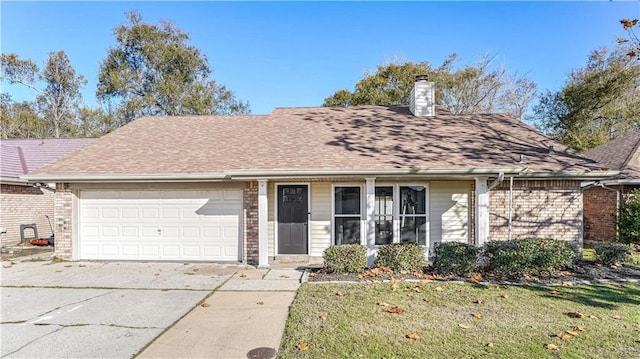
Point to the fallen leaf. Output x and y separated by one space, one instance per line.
340 293
164 289
284 276
426 300
439 289
428 277
312 274
505 296
552 346
565 284
303 346
196 269
477 301
593 317
243 275
360 276
383 304
554 292
571 332
82 265
68 265
156 274
395 310
477 315
463 326
260 303
476 278
490 345
578 328
413 336
617 317
323 317
564 336
204 305
575 315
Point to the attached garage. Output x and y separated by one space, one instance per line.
160 225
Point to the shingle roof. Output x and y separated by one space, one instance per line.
321 138
621 154
21 156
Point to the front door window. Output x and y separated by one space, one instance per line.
384 215
413 214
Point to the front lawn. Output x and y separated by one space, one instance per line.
462 320
588 254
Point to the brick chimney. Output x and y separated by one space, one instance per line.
423 99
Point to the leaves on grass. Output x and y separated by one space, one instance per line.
383 304
439 289
413 336
478 302
575 315
571 332
204 305
617 317
341 293
323 317
554 292
395 310
303 346
564 336
463 326
593 317
426 300
477 315
476 278
552 346
578 328
504 295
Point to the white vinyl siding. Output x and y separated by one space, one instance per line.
449 211
160 225
320 217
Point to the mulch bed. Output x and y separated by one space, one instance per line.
583 272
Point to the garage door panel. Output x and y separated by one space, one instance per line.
160 225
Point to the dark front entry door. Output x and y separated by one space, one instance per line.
293 219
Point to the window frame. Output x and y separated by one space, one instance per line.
397 216
360 216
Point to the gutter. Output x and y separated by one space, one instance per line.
521 172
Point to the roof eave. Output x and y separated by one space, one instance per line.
13 181
171 177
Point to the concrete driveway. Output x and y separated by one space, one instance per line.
97 309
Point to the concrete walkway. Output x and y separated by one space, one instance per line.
248 311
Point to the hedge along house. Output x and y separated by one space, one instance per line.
602 198
292 183
23 203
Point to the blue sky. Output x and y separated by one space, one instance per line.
282 54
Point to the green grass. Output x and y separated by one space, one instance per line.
519 326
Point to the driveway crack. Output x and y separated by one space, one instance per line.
31 341
70 304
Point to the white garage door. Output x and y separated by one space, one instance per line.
160 225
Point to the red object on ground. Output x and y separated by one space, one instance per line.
39 242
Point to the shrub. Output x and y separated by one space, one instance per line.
629 219
349 258
528 256
401 256
455 258
612 253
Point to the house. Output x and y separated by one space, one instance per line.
250 188
602 198
24 203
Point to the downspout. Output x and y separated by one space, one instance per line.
510 206
497 181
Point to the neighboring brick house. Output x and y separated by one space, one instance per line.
292 183
21 202
602 198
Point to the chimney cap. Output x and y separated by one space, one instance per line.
421 78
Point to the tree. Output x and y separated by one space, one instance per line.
471 89
20 120
633 39
629 218
598 102
57 88
154 71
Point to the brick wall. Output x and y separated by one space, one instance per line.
63 222
600 212
546 209
250 221
24 205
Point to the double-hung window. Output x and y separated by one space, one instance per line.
347 215
401 214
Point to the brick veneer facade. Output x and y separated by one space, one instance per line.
250 221
63 223
24 205
600 207
543 209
